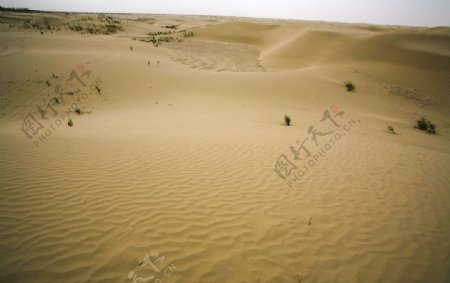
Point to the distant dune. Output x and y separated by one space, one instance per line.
151 147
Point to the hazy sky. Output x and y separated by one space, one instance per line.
401 12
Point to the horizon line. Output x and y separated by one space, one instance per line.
28 10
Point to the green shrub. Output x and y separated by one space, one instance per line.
153 33
113 28
426 125
108 25
91 30
76 27
432 128
391 130
171 26
70 123
350 86
287 120
188 34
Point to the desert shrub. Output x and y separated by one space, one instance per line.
166 39
350 86
391 130
87 25
431 128
91 30
78 111
171 26
426 125
70 123
76 27
113 28
153 33
287 120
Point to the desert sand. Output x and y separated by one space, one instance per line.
178 166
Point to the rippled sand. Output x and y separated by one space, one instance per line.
174 158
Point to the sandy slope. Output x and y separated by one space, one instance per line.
176 160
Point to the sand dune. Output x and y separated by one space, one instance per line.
301 45
174 152
309 48
238 32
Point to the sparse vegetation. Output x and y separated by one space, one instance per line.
102 25
70 123
287 120
391 130
78 111
113 28
28 24
75 27
157 33
349 86
171 26
156 37
87 18
188 34
426 125
18 10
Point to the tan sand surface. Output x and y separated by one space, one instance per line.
174 152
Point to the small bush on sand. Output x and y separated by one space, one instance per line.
171 26
70 123
391 130
75 27
350 86
426 125
188 34
287 120
78 111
